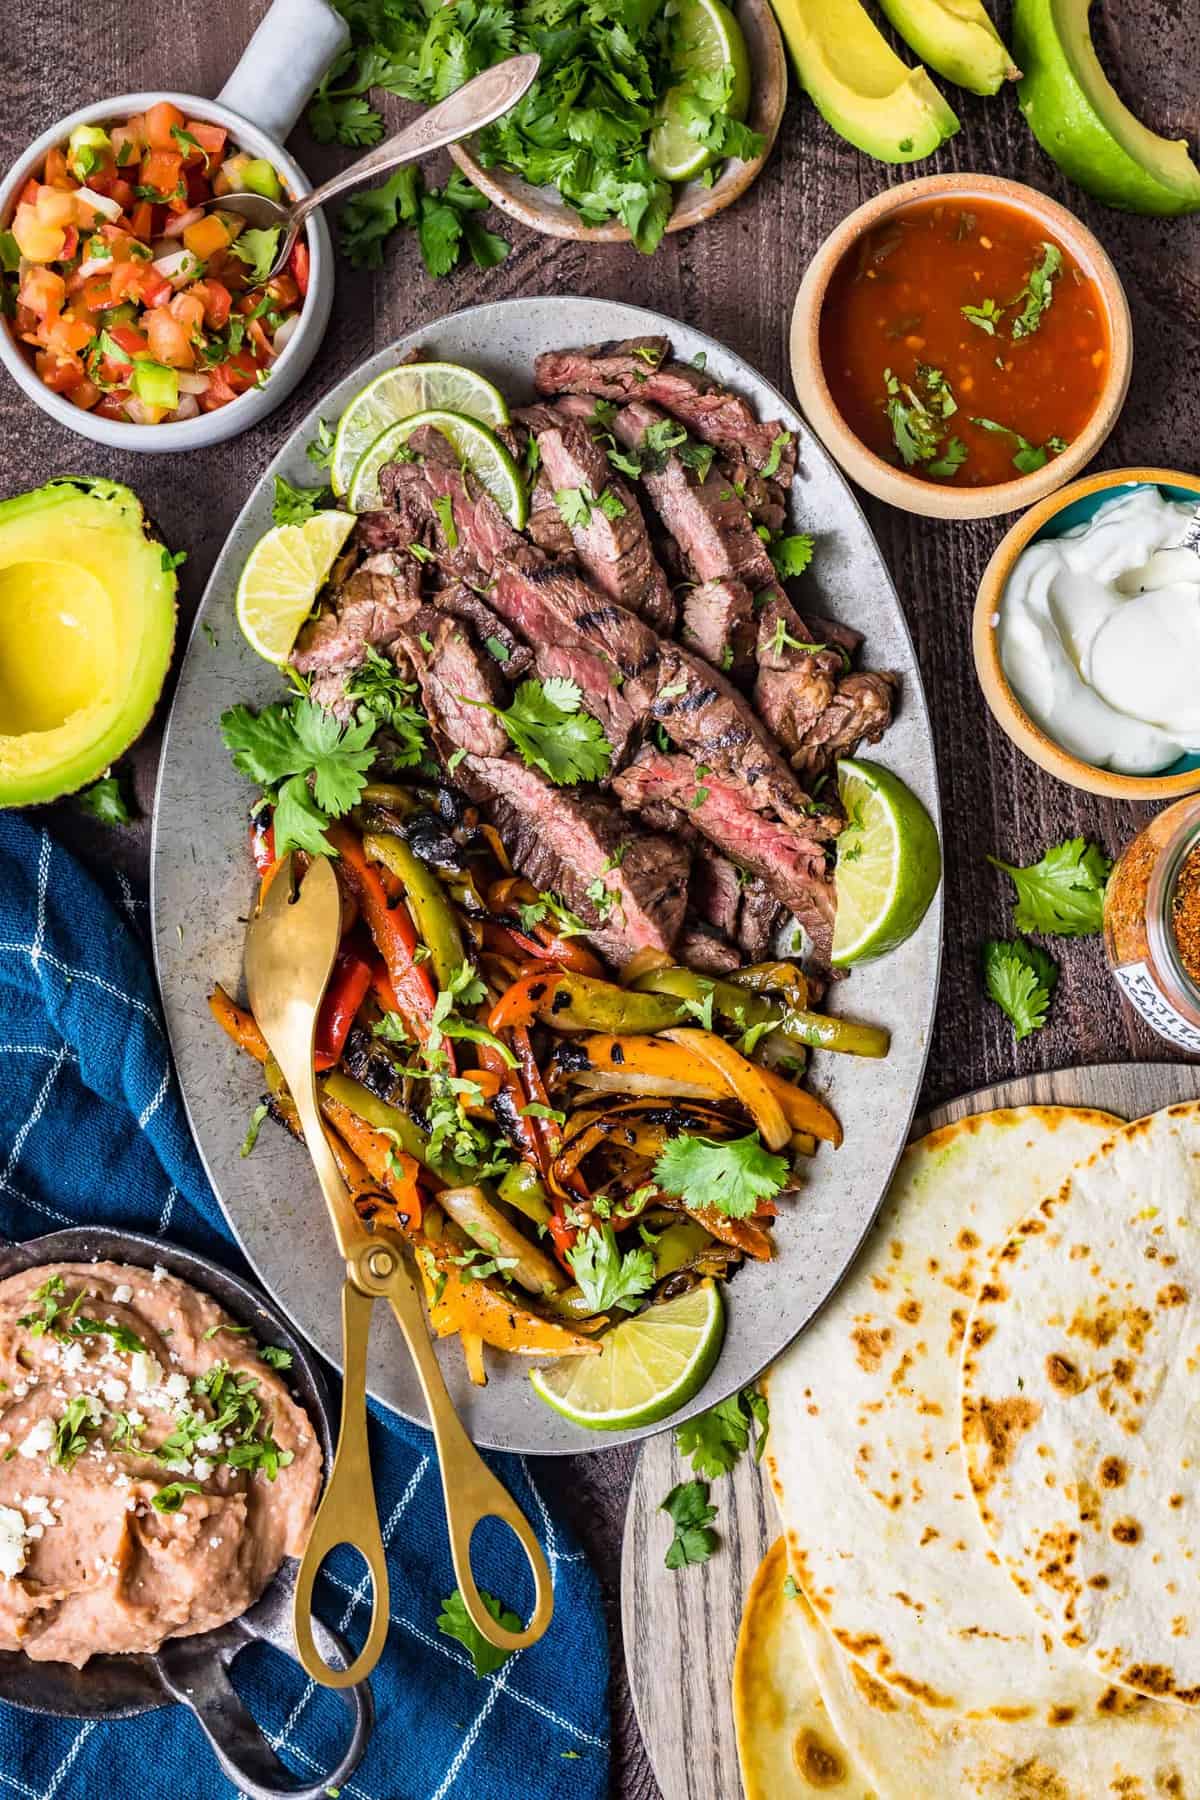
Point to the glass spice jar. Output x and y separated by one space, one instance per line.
1152 923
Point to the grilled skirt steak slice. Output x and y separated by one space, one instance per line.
706 518
794 685
480 531
452 673
615 552
716 889
576 632
758 918
634 368
701 950
791 862
702 714
370 609
547 527
719 622
859 713
564 839
513 657
763 496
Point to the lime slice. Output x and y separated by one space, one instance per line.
889 863
705 38
476 446
647 1368
283 575
397 394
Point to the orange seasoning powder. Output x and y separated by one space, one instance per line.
962 344
1152 923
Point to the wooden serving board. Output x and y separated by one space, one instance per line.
680 1629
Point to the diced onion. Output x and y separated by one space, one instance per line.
188 408
178 223
138 413
193 384
104 204
178 267
94 265
286 333
487 1226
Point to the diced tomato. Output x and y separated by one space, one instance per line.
100 181
218 392
217 301
60 373
283 291
56 172
128 140
211 139
240 372
197 186
70 242
119 240
113 372
188 308
162 170
141 220
29 193
161 120
55 207
128 337
153 289
85 395
67 336
112 405
170 341
98 292
298 264
121 191
43 291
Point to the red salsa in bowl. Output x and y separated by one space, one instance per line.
128 297
962 343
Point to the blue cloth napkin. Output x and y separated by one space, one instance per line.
92 1130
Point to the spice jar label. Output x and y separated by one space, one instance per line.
1140 989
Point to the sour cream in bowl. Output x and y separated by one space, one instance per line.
1097 684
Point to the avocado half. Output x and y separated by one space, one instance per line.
87 626
957 39
1080 121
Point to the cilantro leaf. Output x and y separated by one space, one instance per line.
717 1439
320 451
732 1176
275 1356
253 1128
292 505
105 801
284 745
1063 892
1038 291
791 555
170 1499
383 691
689 1511
987 315
1020 978
607 1278
574 505
257 249
1026 457
551 731
370 216
453 1622
778 446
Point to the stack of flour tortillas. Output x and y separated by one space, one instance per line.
985 1454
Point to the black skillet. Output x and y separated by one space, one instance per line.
195 1670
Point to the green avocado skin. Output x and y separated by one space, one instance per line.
1051 42
99 525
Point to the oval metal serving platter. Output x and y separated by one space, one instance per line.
203 888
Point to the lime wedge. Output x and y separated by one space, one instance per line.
474 445
889 863
283 575
647 1368
705 39
397 394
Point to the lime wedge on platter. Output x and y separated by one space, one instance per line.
648 1367
477 448
416 387
706 38
889 863
282 577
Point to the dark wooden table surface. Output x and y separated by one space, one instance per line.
736 278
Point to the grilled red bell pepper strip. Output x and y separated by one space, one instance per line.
348 987
392 929
262 841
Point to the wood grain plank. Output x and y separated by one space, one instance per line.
682 1702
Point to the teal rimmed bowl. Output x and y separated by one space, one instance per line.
1052 517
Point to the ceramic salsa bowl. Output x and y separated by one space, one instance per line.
284 60
1049 519
912 493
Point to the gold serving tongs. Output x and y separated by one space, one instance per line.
291 943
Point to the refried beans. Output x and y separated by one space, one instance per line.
154 1469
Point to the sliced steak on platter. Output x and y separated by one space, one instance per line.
368 611
458 682
719 622
859 713
701 950
565 839
491 631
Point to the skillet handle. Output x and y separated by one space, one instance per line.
191 1674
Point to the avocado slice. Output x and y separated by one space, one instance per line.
1081 122
858 83
87 626
957 39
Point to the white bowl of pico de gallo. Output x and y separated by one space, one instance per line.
133 312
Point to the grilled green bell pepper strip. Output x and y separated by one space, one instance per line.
520 1188
744 1008
432 911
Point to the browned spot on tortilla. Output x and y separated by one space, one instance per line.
927 1536
1127 1531
909 1311
966 1239
980 1333
920 1690
870 1345
875 1693
1176 1500
998 1424
1063 1374
993 1291
1099 1582
1012 1715
817 1761
1036 1780
1172 1295
1060 1715
1112 1472
1151 1678
1169 1782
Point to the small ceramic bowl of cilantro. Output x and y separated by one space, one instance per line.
239 359
646 118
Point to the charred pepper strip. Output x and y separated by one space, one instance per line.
579 1003
744 1008
348 987
392 929
431 907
